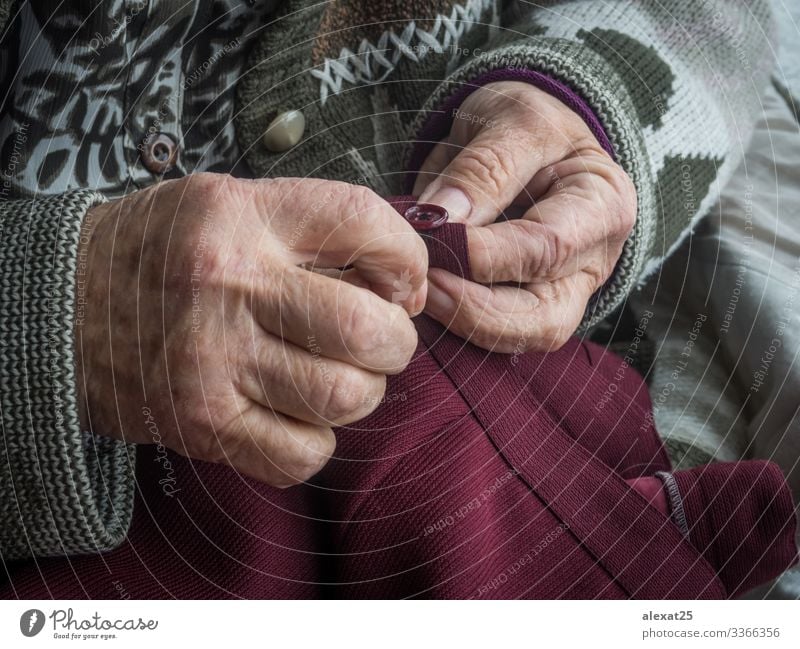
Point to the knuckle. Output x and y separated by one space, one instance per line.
208 258
341 395
529 256
596 275
359 327
416 255
198 248
217 445
561 251
379 334
306 458
512 261
364 202
551 320
491 327
206 187
186 354
485 169
397 340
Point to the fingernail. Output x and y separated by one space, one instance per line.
419 302
439 303
452 199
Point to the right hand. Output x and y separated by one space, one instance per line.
200 313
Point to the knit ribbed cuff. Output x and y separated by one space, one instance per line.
587 75
63 491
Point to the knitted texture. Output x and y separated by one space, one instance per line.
671 84
645 71
5 9
478 476
739 525
423 500
63 491
674 86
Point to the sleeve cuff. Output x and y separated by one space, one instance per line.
676 511
64 491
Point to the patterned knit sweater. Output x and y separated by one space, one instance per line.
673 83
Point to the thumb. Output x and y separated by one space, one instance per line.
485 177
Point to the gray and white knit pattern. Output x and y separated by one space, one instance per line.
64 491
674 84
676 87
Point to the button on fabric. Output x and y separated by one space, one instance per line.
284 131
159 153
426 216
447 243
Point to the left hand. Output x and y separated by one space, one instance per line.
513 147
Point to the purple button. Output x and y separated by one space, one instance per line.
425 216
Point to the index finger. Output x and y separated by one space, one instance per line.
339 224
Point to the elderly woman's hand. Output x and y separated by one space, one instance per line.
515 148
206 332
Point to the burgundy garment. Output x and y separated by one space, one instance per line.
480 475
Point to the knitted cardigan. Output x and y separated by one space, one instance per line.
672 83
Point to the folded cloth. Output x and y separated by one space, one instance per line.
479 475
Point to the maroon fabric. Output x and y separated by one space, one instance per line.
602 510
718 498
479 476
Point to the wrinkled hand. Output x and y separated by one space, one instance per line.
205 331
514 146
